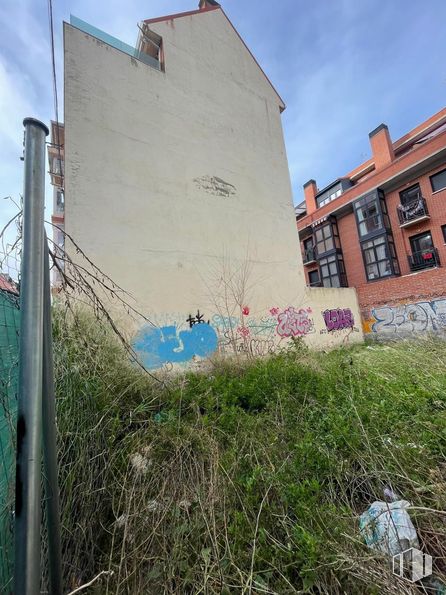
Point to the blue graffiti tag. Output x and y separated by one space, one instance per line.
157 346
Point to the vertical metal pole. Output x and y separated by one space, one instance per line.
49 440
29 418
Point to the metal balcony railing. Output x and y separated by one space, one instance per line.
424 259
309 255
413 211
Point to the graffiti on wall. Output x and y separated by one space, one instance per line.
197 319
407 318
338 319
181 339
158 346
244 343
294 323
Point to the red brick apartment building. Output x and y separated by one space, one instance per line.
382 229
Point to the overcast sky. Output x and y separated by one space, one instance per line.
341 66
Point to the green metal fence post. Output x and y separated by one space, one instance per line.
29 419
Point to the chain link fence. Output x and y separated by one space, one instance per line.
9 376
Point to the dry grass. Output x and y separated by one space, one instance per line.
246 478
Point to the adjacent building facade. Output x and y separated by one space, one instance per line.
56 160
382 229
177 186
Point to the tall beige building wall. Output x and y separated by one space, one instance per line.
177 186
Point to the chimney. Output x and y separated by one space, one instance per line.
382 147
207 4
310 191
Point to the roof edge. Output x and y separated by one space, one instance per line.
362 192
282 105
328 186
178 15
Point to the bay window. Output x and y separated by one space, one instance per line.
375 236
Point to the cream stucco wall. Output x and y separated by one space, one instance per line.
177 181
331 304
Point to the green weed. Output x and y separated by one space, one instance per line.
248 478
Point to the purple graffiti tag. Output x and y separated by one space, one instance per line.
293 323
338 319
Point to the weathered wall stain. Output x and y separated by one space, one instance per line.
158 346
338 319
408 318
214 185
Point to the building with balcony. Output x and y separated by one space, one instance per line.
382 229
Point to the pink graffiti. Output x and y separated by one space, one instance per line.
338 319
243 331
293 323
245 310
274 311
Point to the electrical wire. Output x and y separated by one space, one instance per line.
56 102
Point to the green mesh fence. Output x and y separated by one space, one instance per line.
9 359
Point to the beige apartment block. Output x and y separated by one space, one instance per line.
177 186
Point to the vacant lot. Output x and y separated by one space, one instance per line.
248 477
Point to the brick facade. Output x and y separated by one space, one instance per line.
393 168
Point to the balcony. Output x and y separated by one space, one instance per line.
425 259
309 256
413 212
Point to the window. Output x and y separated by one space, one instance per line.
333 271
57 166
309 251
150 47
152 44
413 206
326 199
324 239
60 238
410 195
308 244
378 249
369 217
380 257
371 214
421 242
443 229
424 254
438 181
333 191
60 199
313 278
329 254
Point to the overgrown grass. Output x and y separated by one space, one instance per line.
248 478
